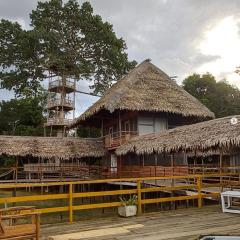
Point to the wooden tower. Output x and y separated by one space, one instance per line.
60 105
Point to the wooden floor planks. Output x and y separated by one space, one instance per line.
185 224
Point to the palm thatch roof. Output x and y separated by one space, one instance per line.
209 135
49 147
147 88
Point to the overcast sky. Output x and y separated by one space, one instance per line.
180 36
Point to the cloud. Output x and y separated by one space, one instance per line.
222 39
171 33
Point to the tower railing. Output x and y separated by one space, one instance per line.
59 121
60 102
59 82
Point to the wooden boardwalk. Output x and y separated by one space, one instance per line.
183 224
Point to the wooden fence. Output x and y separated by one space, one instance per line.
195 183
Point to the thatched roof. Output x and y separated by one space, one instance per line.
48 147
208 135
147 88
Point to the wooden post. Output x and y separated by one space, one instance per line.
14 192
37 219
199 188
120 167
194 162
139 197
120 126
16 170
74 99
172 204
221 172
70 202
101 127
155 158
221 161
51 131
172 163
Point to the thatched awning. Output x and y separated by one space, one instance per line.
49 147
209 135
147 88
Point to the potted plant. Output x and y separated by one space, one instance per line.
128 207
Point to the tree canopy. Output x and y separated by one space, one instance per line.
64 38
220 97
23 116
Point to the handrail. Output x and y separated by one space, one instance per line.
81 182
116 138
195 183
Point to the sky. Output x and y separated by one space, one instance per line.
181 37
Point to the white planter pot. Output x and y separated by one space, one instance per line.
127 211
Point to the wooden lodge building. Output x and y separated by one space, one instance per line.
149 126
143 102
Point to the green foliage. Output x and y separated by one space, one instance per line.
88 132
220 97
64 38
20 63
6 161
132 200
22 116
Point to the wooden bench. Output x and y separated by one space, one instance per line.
20 231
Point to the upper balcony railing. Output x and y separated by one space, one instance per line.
59 83
58 102
115 139
58 122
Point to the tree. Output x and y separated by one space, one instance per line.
220 97
22 116
88 132
65 38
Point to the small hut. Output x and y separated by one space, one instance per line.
48 157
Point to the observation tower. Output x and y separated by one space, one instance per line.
60 105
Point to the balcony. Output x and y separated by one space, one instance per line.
114 140
58 122
66 104
60 84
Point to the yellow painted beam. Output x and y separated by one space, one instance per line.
156 189
104 193
23 185
33 198
97 205
168 199
53 209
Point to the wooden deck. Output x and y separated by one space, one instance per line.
183 224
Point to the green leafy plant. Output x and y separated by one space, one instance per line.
132 200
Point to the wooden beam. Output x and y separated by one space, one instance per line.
120 126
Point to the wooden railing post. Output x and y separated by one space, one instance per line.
139 197
70 202
199 188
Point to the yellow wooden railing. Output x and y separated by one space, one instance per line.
196 183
